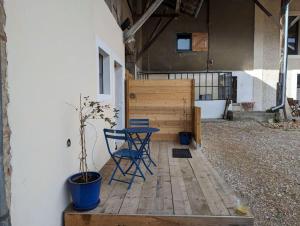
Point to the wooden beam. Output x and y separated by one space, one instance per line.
3 37
161 15
178 4
199 8
147 46
294 21
86 219
262 8
128 34
130 7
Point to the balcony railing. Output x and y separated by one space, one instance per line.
208 85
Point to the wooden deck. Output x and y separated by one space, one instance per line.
181 192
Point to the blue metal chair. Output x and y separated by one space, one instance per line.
144 122
123 154
134 122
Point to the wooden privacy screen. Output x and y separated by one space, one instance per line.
168 104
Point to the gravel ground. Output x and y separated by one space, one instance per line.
261 164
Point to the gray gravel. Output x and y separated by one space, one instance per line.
261 164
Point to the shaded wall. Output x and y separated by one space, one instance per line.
231 34
162 55
230 42
5 100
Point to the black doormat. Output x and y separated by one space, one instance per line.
181 153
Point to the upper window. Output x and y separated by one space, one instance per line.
101 83
293 38
104 72
184 42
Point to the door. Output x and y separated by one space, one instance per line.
119 95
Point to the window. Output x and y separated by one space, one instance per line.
104 73
293 38
184 42
298 81
101 84
234 89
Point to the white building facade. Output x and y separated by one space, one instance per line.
56 50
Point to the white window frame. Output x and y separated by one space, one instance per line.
112 58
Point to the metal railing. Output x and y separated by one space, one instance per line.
208 85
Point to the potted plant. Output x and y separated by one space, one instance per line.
85 185
185 137
248 106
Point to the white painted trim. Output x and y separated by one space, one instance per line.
113 57
294 13
294 56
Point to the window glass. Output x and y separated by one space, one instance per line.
101 86
184 42
293 35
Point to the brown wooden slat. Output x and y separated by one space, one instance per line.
82 219
167 103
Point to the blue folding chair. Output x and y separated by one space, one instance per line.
144 122
123 154
134 122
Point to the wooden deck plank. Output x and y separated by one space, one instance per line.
226 193
146 202
132 198
180 197
163 199
196 197
212 197
113 195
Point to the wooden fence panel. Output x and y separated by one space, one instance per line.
167 103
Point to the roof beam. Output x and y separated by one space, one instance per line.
162 15
128 34
178 4
199 8
262 8
294 21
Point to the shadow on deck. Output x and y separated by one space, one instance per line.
181 192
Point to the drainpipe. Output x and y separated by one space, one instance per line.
281 99
4 211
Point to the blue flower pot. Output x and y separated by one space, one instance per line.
85 196
185 138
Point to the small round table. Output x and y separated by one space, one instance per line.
138 131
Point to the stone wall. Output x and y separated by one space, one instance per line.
5 100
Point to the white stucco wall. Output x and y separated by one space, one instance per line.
244 86
52 58
292 84
211 109
267 57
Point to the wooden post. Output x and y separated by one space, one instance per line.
128 77
197 125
